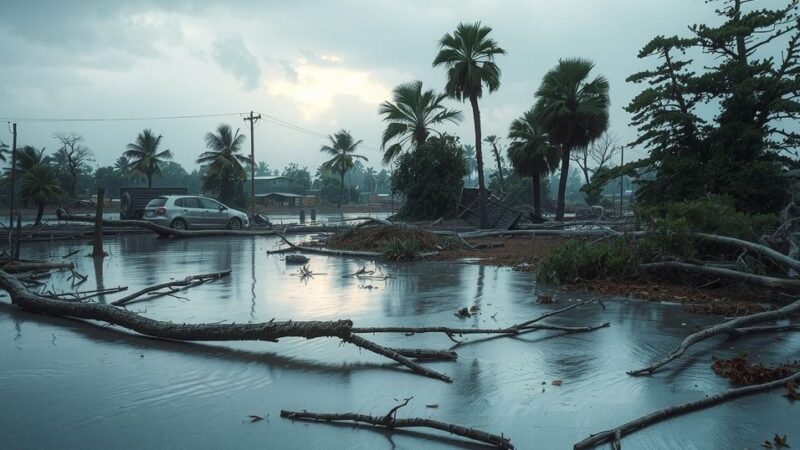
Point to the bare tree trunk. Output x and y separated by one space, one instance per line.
476 116
562 184
149 180
341 189
537 194
39 214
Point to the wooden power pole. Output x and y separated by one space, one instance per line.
13 173
252 119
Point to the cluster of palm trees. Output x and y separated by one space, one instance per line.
569 113
224 165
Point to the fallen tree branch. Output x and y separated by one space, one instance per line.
615 434
392 354
391 422
762 250
725 327
31 266
169 232
186 282
763 329
267 331
757 280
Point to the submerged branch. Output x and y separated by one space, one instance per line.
615 434
186 282
725 327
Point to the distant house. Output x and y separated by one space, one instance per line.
274 184
279 199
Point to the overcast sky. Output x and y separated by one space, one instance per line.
319 65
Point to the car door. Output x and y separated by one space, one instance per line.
215 216
192 211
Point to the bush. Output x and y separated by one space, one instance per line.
402 249
587 260
430 179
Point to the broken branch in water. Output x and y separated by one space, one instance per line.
616 434
391 422
725 327
189 281
514 329
268 331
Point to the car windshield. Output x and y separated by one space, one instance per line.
208 203
156 202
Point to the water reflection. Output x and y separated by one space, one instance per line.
99 386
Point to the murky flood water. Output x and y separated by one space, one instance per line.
64 384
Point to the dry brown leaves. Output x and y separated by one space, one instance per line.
742 372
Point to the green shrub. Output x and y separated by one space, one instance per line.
587 260
402 249
712 214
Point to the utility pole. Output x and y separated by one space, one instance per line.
621 177
13 173
252 119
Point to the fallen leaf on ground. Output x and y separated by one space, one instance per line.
557 382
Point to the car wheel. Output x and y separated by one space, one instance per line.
179 224
235 224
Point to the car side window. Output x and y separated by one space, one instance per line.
187 202
207 203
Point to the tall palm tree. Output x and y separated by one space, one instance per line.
262 169
342 146
531 154
411 116
40 185
493 140
468 55
226 166
573 111
144 156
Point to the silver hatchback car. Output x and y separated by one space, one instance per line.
183 212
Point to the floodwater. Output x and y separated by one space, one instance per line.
67 384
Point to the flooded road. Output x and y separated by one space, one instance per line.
65 384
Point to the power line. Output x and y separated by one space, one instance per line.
115 119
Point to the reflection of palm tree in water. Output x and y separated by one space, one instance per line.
98 277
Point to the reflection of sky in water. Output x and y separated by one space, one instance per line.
91 387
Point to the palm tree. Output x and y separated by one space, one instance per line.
40 185
411 116
469 160
493 141
342 147
262 169
370 179
144 156
573 111
468 55
226 167
531 154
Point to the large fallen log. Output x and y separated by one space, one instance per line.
268 331
614 435
169 232
724 328
718 272
390 421
31 266
186 282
